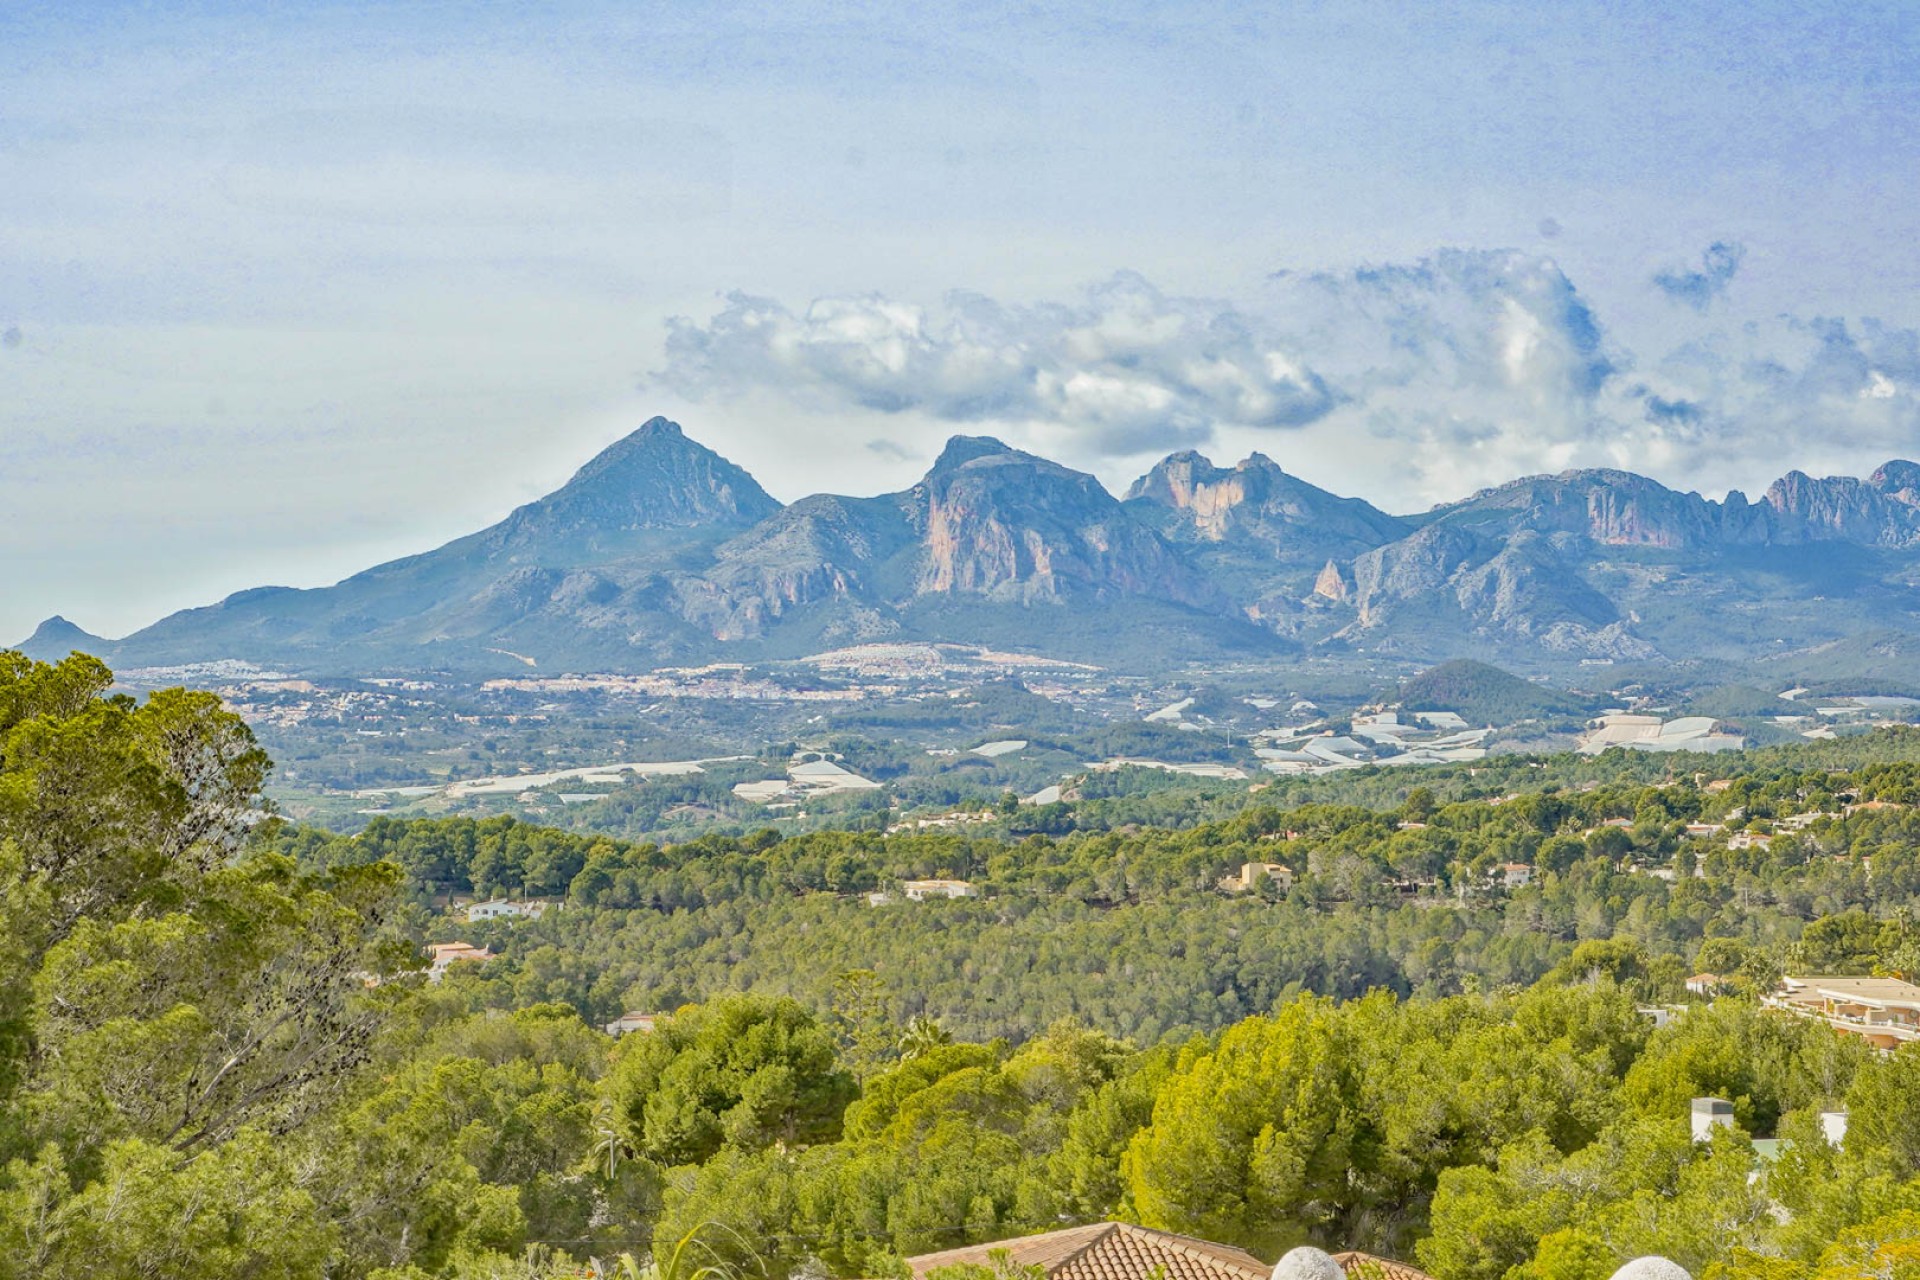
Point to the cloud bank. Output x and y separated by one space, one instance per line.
1411 382
1122 369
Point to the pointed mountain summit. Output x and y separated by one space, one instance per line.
655 479
583 574
55 638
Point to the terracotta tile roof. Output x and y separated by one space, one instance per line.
1364 1266
1109 1251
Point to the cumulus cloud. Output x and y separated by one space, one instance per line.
1123 369
1407 383
1698 287
1823 392
1464 368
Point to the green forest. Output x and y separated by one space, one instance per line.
220 1054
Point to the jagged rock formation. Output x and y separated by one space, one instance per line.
1332 584
1258 504
1618 508
661 550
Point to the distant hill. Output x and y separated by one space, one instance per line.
1735 702
1879 662
1481 694
659 551
55 638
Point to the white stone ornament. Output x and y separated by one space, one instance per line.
1652 1269
1307 1263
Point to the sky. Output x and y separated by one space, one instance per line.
286 290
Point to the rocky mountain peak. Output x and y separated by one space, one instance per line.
1898 479
960 450
654 478
1258 504
55 638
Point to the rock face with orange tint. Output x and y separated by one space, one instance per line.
1015 527
1259 507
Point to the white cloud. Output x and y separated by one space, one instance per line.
1123 369
1407 384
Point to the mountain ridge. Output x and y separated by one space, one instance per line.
659 550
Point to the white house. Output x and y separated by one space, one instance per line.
921 890
1710 1114
502 909
630 1022
1513 875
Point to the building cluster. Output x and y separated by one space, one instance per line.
1382 738
1121 1251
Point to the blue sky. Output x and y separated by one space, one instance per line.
288 289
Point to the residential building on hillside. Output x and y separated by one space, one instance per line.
1120 1251
1885 1012
502 909
444 955
628 1023
1514 875
1708 1114
1249 875
921 890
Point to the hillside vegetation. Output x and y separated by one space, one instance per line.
219 1056
1481 694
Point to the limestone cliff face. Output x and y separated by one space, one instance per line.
1881 511
1010 526
1260 507
1619 508
1612 508
821 550
1332 584
1519 589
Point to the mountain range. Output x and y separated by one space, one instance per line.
659 551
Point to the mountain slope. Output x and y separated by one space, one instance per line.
55 638
1257 504
660 551
583 573
1014 527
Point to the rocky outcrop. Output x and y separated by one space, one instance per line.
1881 511
1611 508
1260 506
1012 527
1619 508
1332 584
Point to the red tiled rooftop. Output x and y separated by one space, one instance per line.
1108 1251
1120 1251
